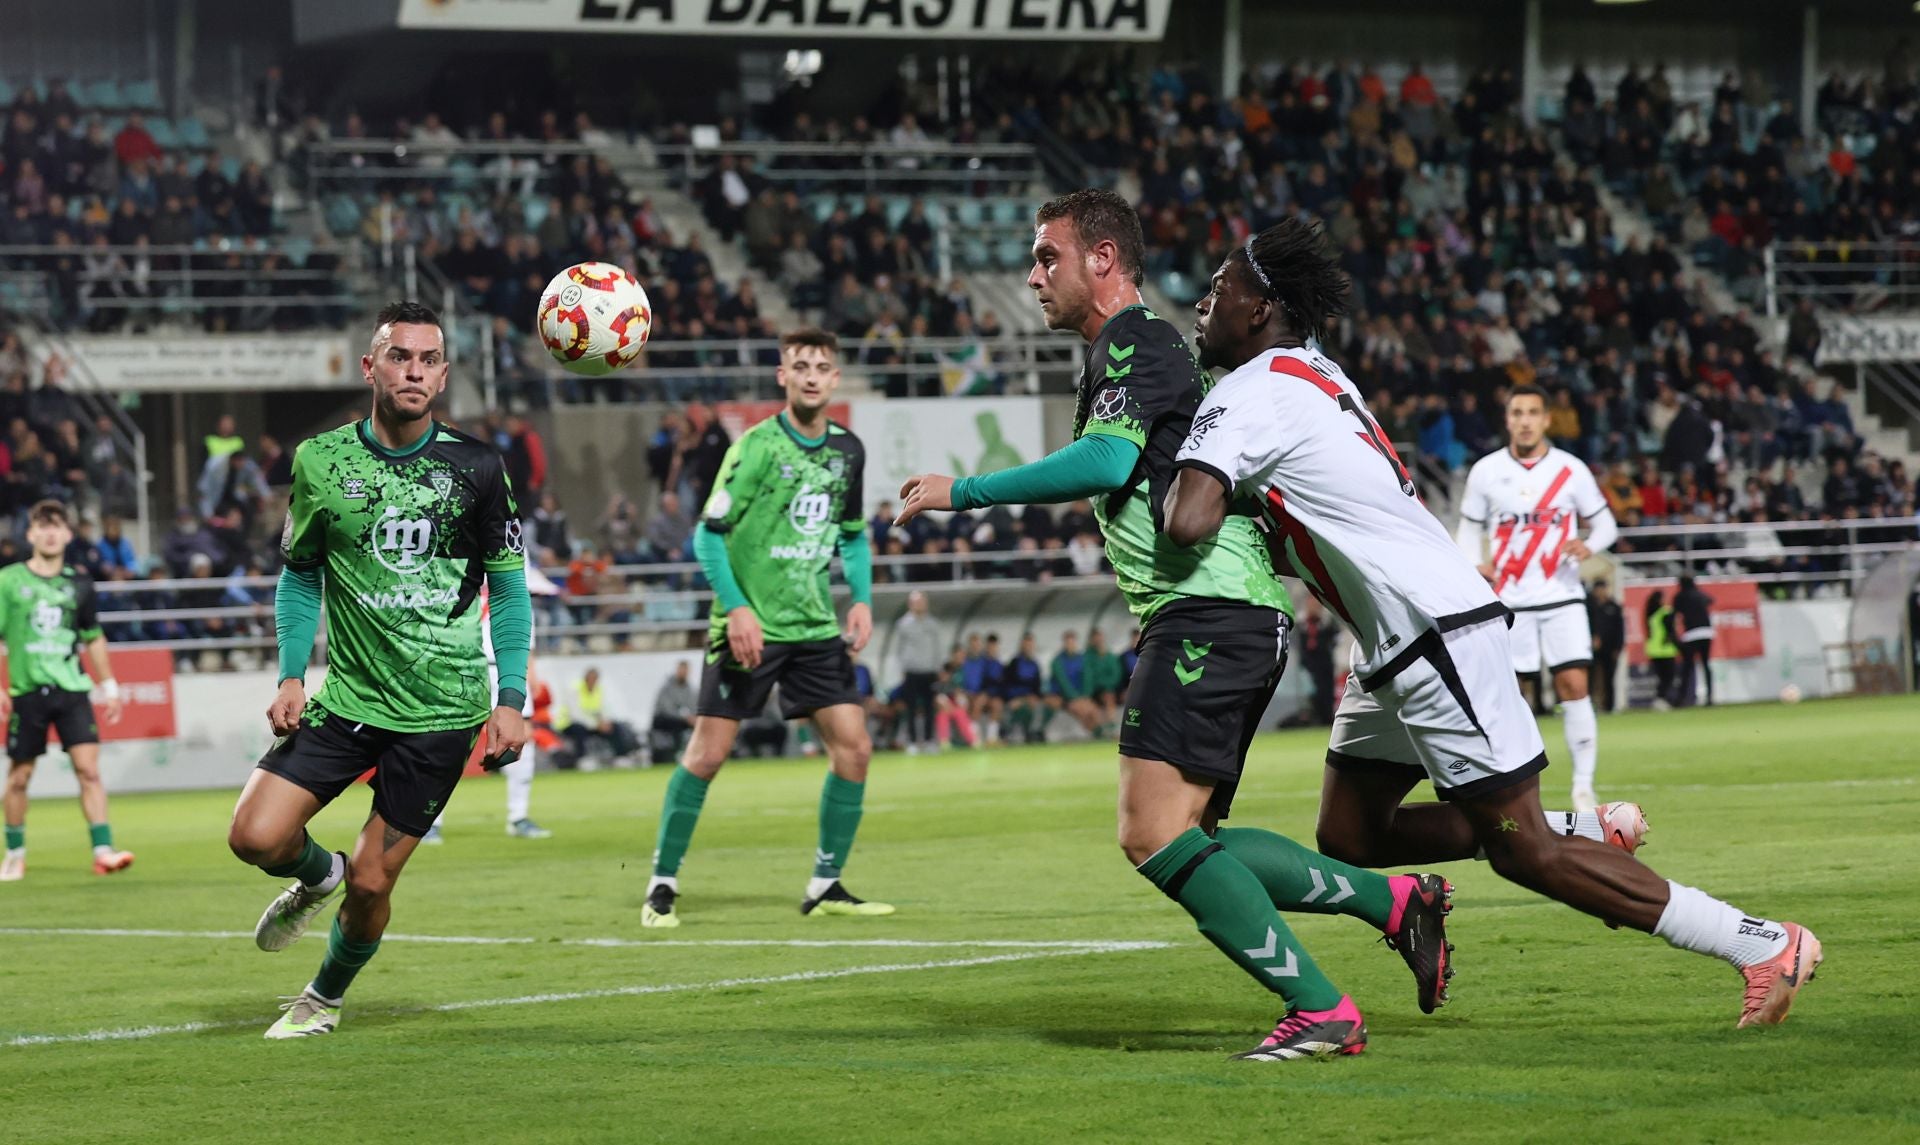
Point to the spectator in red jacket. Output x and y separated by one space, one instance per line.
134 143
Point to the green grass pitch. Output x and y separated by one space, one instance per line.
728 1029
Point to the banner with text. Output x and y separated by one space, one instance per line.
146 693
1737 633
877 19
960 437
217 362
1849 339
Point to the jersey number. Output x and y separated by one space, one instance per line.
1370 432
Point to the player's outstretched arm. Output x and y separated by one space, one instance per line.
1196 506
1095 464
296 620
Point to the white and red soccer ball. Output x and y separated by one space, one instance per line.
594 318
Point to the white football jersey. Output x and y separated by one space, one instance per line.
1529 509
1289 430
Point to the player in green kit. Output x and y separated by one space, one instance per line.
787 499
394 521
47 612
1214 622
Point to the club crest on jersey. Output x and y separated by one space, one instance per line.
401 543
836 467
354 489
1109 404
442 485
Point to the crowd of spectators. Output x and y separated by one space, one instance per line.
1728 178
112 208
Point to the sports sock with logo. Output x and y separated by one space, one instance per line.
1695 920
679 814
1231 908
840 801
344 960
314 868
1299 879
16 836
1583 739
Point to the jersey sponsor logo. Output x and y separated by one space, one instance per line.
400 543
786 471
355 489
48 618
1532 518
809 510
408 597
1110 404
810 551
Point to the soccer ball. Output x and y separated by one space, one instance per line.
594 318
1790 694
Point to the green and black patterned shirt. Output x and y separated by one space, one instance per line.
45 620
405 541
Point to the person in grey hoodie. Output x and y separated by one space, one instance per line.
917 638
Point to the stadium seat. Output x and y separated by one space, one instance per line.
6 92
144 94
968 213
161 128
534 209
823 208
193 133
897 208
1013 253
100 94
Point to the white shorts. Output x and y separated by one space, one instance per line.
1553 638
1447 707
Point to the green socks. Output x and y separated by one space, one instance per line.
686 794
1233 912
16 836
101 833
344 960
1303 880
839 819
313 867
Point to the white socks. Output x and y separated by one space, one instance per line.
818 887
1583 739
1695 920
667 881
333 877
519 775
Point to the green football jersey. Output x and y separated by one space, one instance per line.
782 503
45 620
404 541
1142 384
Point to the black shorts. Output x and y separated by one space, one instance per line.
1207 671
68 713
812 675
414 773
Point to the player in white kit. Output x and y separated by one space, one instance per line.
1532 500
1287 436
519 773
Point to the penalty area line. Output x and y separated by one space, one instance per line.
1103 945
141 1033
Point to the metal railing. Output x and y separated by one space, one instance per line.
1810 553
1850 276
529 166
66 284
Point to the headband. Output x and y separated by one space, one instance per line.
1258 273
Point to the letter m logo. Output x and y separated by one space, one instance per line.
403 542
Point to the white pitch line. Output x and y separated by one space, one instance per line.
1094 944
141 1033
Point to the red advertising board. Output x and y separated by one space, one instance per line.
739 417
146 689
1736 618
